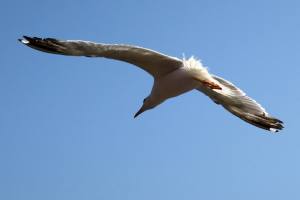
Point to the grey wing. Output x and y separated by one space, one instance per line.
155 63
238 103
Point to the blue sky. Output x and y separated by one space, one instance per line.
67 129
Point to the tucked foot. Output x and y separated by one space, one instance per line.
211 85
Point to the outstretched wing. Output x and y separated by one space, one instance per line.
153 62
238 103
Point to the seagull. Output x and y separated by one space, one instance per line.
172 77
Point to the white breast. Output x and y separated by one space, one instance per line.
173 84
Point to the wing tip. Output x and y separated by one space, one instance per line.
24 40
49 45
276 125
276 129
263 121
28 40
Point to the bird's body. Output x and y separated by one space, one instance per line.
179 81
172 77
163 88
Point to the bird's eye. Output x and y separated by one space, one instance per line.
144 100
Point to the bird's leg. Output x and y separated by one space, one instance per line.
211 85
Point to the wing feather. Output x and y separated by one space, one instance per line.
155 63
238 103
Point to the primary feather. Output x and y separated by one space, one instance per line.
238 103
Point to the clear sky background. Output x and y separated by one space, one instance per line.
66 123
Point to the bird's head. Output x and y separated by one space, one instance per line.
147 105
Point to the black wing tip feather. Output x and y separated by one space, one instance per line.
263 121
268 123
275 125
23 39
32 40
49 45
27 39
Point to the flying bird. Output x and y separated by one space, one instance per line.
172 77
